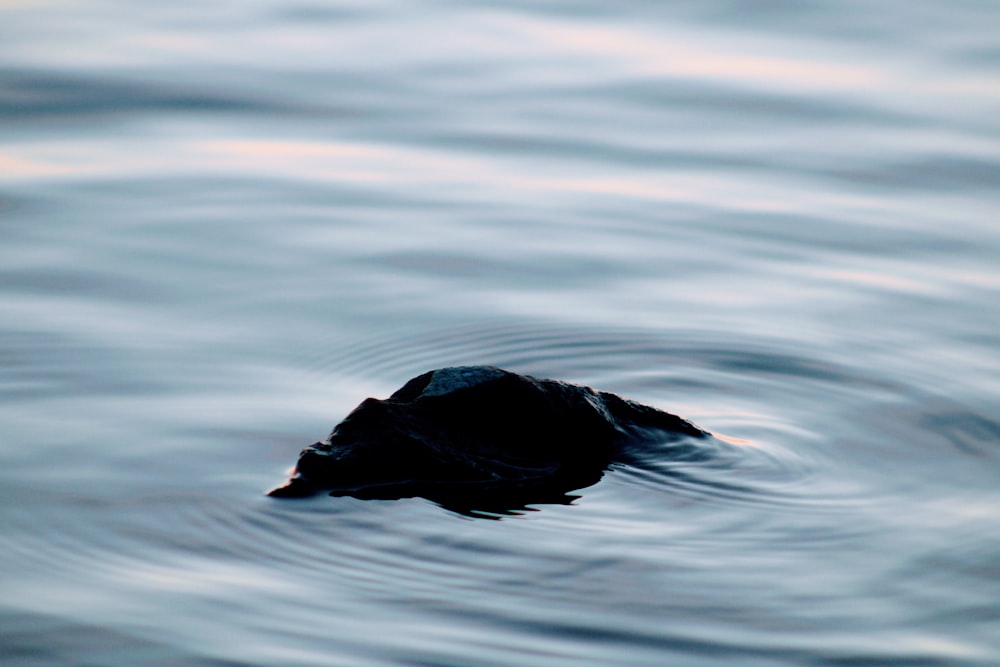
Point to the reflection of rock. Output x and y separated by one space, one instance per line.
478 437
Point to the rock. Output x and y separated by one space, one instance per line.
480 439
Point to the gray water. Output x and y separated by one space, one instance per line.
223 225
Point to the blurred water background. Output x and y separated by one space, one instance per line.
222 225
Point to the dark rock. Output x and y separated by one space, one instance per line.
480 439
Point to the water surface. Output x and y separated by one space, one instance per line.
222 226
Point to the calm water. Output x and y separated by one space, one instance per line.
223 225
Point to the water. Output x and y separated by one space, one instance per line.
224 225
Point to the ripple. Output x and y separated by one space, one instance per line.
689 521
748 390
552 351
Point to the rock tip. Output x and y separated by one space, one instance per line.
296 487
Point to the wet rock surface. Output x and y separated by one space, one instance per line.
481 439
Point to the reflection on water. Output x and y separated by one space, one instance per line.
223 226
